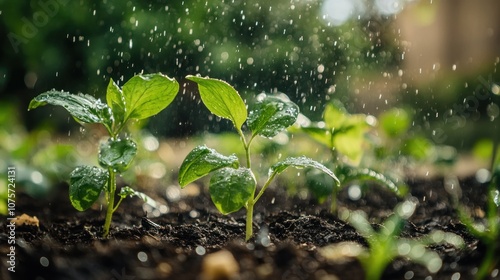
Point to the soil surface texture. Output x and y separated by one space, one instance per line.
189 239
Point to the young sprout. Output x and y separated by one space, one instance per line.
385 244
140 98
233 187
344 135
487 232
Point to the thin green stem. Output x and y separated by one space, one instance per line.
261 192
111 201
118 203
333 203
246 145
487 264
249 221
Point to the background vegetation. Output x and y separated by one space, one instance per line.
290 46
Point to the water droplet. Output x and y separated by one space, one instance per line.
409 275
44 261
482 175
456 276
194 214
200 250
143 257
354 192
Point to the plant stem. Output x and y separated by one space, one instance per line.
249 221
333 203
494 154
111 201
246 145
487 264
261 192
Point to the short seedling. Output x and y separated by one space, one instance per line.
384 244
344 135
233 187
141 97
487 232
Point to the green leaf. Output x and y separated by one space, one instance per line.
230 189
116 101
395 122
366 174
83 107
117 154
147 95
129 192
221 99
86 184
351 142
201 161
322 135
301 162
419 148
335 114
272 115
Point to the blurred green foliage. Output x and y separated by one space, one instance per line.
255 45
39 162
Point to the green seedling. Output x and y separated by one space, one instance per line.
400 143
140 98
344 135
488 231
385 245
233 187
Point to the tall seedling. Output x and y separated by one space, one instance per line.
233 187
140 98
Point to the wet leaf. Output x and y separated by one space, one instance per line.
116 101
495 194
230 189
272 115
86 184
129 192
147 95
201 161
366 174
221 99
301 162
117 154
83 108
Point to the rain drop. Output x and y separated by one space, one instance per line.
143 257
200 250
44 261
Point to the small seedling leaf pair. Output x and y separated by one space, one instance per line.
344 135
233 187
341 132
141 97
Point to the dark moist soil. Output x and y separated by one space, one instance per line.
289 234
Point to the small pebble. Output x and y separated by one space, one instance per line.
219 265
